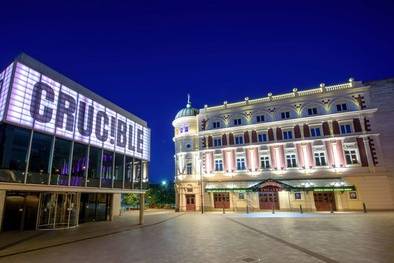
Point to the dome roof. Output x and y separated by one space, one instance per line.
188 111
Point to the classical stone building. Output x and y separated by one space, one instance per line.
325 149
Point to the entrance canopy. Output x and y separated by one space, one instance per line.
316 185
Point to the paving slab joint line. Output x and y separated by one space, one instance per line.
294 246
92 237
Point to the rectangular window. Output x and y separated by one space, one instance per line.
217 142
39 159
291 160
315 132
13 153
239 139
342 107
312 111
262 137
189 169
94 165
265 162
260 118
287 135
216 125
241 164
218 165
297 196
285 115
320 159
237 122
241 196
107 169
351 157
346 128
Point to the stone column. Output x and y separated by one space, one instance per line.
142 206
2 204
371 166
116 205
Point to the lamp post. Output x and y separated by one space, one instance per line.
202 187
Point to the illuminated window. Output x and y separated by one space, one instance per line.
265 162
320 159
217 142
285 115
315 132
291 160
241 164
342 107
239 139
287 135
218 165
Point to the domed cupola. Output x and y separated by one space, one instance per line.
188 111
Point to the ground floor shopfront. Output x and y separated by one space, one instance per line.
33 210
332 194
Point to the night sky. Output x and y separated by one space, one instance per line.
145 57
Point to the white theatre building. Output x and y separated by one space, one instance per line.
328 148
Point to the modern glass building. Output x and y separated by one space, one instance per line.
66 154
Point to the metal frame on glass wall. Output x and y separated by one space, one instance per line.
138 165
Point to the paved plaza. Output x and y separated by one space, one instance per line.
212 237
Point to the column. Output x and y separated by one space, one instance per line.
142 206
116 205
2 204
371 166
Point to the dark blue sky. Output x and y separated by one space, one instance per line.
147 56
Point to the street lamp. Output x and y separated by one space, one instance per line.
164 183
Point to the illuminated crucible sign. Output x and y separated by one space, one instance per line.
46 105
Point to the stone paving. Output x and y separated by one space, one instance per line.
213 237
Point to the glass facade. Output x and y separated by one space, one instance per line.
37 158
13 153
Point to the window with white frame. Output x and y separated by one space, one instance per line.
312 111
291 160
262 137
320 159
239 139
218 165
346 128
342 107
264 162
241 163
216 124
237 122
260 118
217 142
287 135
189 168
315 132
351 156
285 115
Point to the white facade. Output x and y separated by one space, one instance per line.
282 151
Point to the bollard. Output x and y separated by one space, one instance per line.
247 209
331 209
273 208
364 208
301 209
224 210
